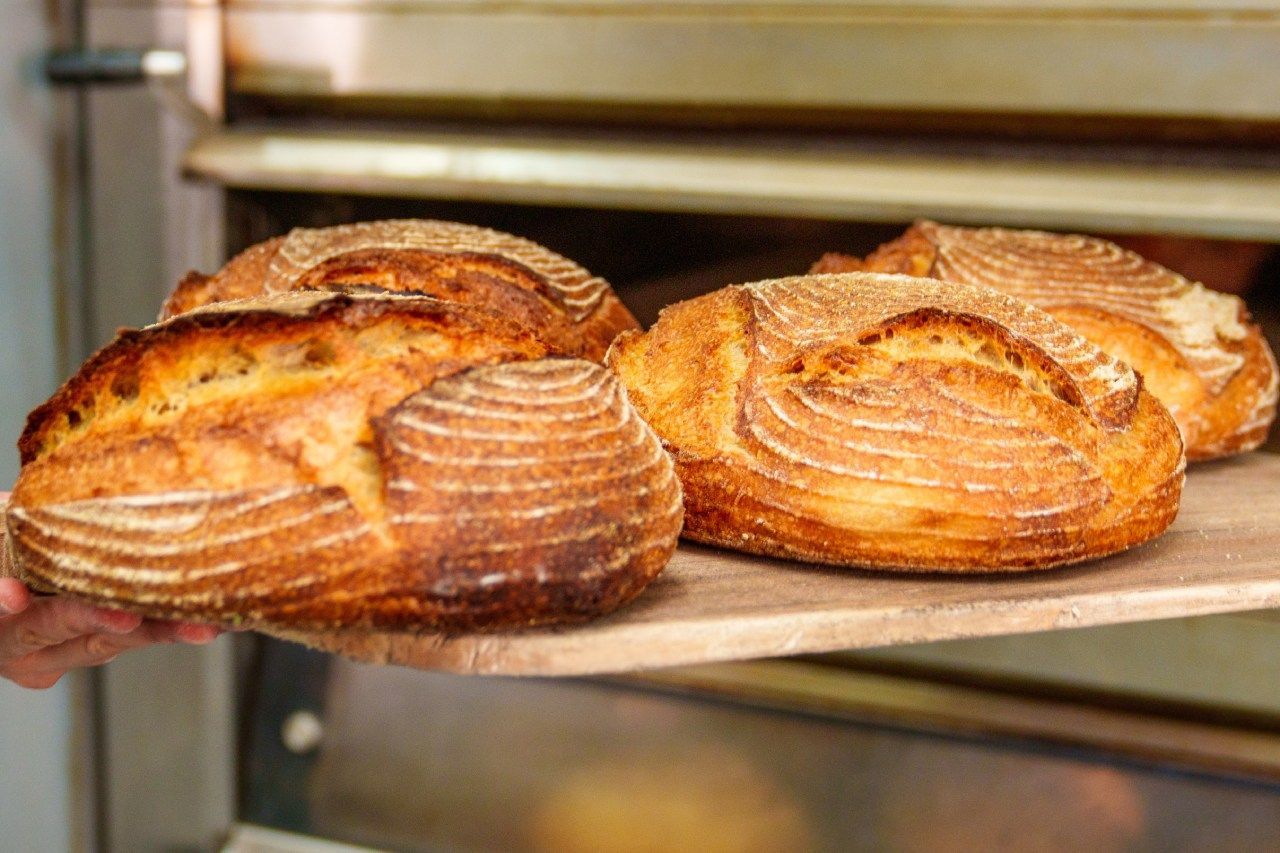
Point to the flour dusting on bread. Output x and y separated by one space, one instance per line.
303 248
1048 269
1196 349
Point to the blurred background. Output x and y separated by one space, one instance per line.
672 148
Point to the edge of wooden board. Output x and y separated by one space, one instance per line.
621 643
1245 575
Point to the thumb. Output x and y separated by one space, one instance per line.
14 596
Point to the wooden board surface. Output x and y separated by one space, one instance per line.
1222 554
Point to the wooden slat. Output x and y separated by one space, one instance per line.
1221 555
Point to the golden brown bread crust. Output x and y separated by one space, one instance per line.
240 278
556 299
312 461
897 422
1196 349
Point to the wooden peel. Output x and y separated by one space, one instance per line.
7 569
1221 555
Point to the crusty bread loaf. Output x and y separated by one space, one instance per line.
897 422
1195 348
314 460
559 301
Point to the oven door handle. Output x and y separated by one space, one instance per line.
113 66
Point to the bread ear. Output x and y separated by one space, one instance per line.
303 248
566 306
793 315
934 333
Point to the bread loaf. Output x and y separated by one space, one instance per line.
310 461
897 422
559 301
1196 349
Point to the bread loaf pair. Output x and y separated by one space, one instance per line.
900 423
1196 349
312 460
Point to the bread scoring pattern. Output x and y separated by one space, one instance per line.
191 552
545 462
1054 269
372 463
899 422
793 315
1195 348
303 248
557 300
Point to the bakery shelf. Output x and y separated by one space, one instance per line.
1222 554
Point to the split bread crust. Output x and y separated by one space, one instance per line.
900 423
1197 350
312 461
556 299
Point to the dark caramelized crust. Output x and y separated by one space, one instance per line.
1196 349
897 422
315 461
550 295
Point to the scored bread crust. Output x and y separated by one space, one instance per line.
559 301
1196 349
900 423
316 461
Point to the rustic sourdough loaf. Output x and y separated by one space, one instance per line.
312 460
559 301
899 422
1195 348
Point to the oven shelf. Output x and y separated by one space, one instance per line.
1221 555
1044 186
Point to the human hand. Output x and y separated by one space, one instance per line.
42 638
